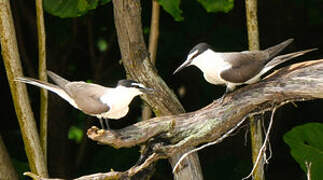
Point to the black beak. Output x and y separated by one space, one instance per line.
147 90
184 65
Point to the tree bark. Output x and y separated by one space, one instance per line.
136 60
153 45
19 93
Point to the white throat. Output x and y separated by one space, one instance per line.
211 64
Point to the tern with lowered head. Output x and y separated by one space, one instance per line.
236 68
93 99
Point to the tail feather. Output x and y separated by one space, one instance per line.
284 58
60 81
51 87
274 50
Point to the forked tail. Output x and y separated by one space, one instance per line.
51 87
284 58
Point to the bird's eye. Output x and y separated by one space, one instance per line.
194 55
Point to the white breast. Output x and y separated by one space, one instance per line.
115 113
118 100
211 64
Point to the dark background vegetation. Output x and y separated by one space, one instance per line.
72 51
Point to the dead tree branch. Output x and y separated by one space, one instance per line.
169 134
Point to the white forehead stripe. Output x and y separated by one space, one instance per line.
138 84
192 54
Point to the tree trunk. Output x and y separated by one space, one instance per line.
136 60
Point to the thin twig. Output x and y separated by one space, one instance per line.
263 147
208 144
42 76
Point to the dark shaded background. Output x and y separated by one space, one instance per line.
72 52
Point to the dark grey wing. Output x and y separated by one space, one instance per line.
245 65
87 96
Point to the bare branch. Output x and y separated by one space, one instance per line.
169 134
42 75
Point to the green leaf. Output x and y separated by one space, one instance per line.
172 7
102 2
217 5
306 145
102 45
75 134
69 8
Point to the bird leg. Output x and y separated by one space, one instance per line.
104 124
107 124
227 91
101 122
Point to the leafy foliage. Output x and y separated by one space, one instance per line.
75 134
70 8
307 146
172 7
75 8
217 6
